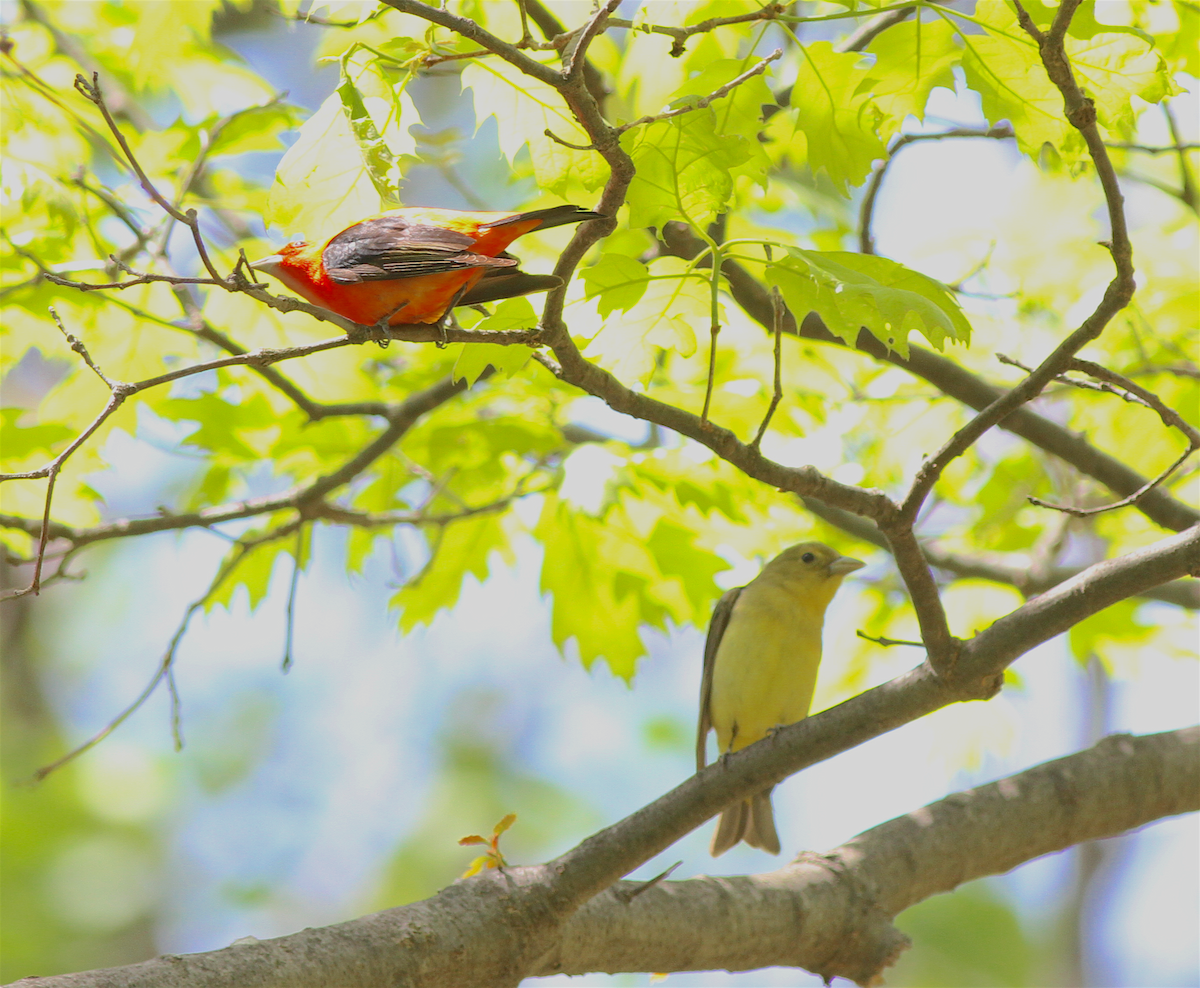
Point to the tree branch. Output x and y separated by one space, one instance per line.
844 899
485 39
957 382
1029 580
847 896
1081 113
400 417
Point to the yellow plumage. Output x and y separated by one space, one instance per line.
760 669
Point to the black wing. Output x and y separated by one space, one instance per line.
391 247
716 631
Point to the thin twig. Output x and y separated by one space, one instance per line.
714 330
704 101
290 619
628 895
887 642
142 278
1125 501
400 418
567 144
1147 149
866 240
166 663
780 310
1081 113
870 30
92 92
1121 386
1187 185
575 54
468 28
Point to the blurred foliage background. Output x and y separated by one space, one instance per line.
545 660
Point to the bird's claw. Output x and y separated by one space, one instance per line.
379 332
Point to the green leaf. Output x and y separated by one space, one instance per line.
1111 66
595 573
1003 66
363 81
912 58
737 114
853 291
253 572
675 301
618 280
475 358
18 442
837 119
684 169
321 184
688 567
693 485
525 109
463 549
256 129
224 426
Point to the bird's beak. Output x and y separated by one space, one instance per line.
268 265
845 564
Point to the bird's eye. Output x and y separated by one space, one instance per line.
808 557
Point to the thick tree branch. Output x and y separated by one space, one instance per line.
1090 591
829 913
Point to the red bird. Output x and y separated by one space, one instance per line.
414 265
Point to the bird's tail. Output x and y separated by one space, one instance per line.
554 216
751 820
500 283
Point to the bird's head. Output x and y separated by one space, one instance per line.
813 566
274 263
297 266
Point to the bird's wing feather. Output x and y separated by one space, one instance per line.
716 631
554 216
391 247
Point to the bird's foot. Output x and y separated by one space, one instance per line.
379 332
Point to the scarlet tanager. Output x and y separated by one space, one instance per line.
413 265
760 669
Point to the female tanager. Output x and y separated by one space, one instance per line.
413 265
760 669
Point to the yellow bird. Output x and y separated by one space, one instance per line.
760 669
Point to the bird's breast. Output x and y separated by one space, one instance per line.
765 669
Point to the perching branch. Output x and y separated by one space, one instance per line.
847 896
